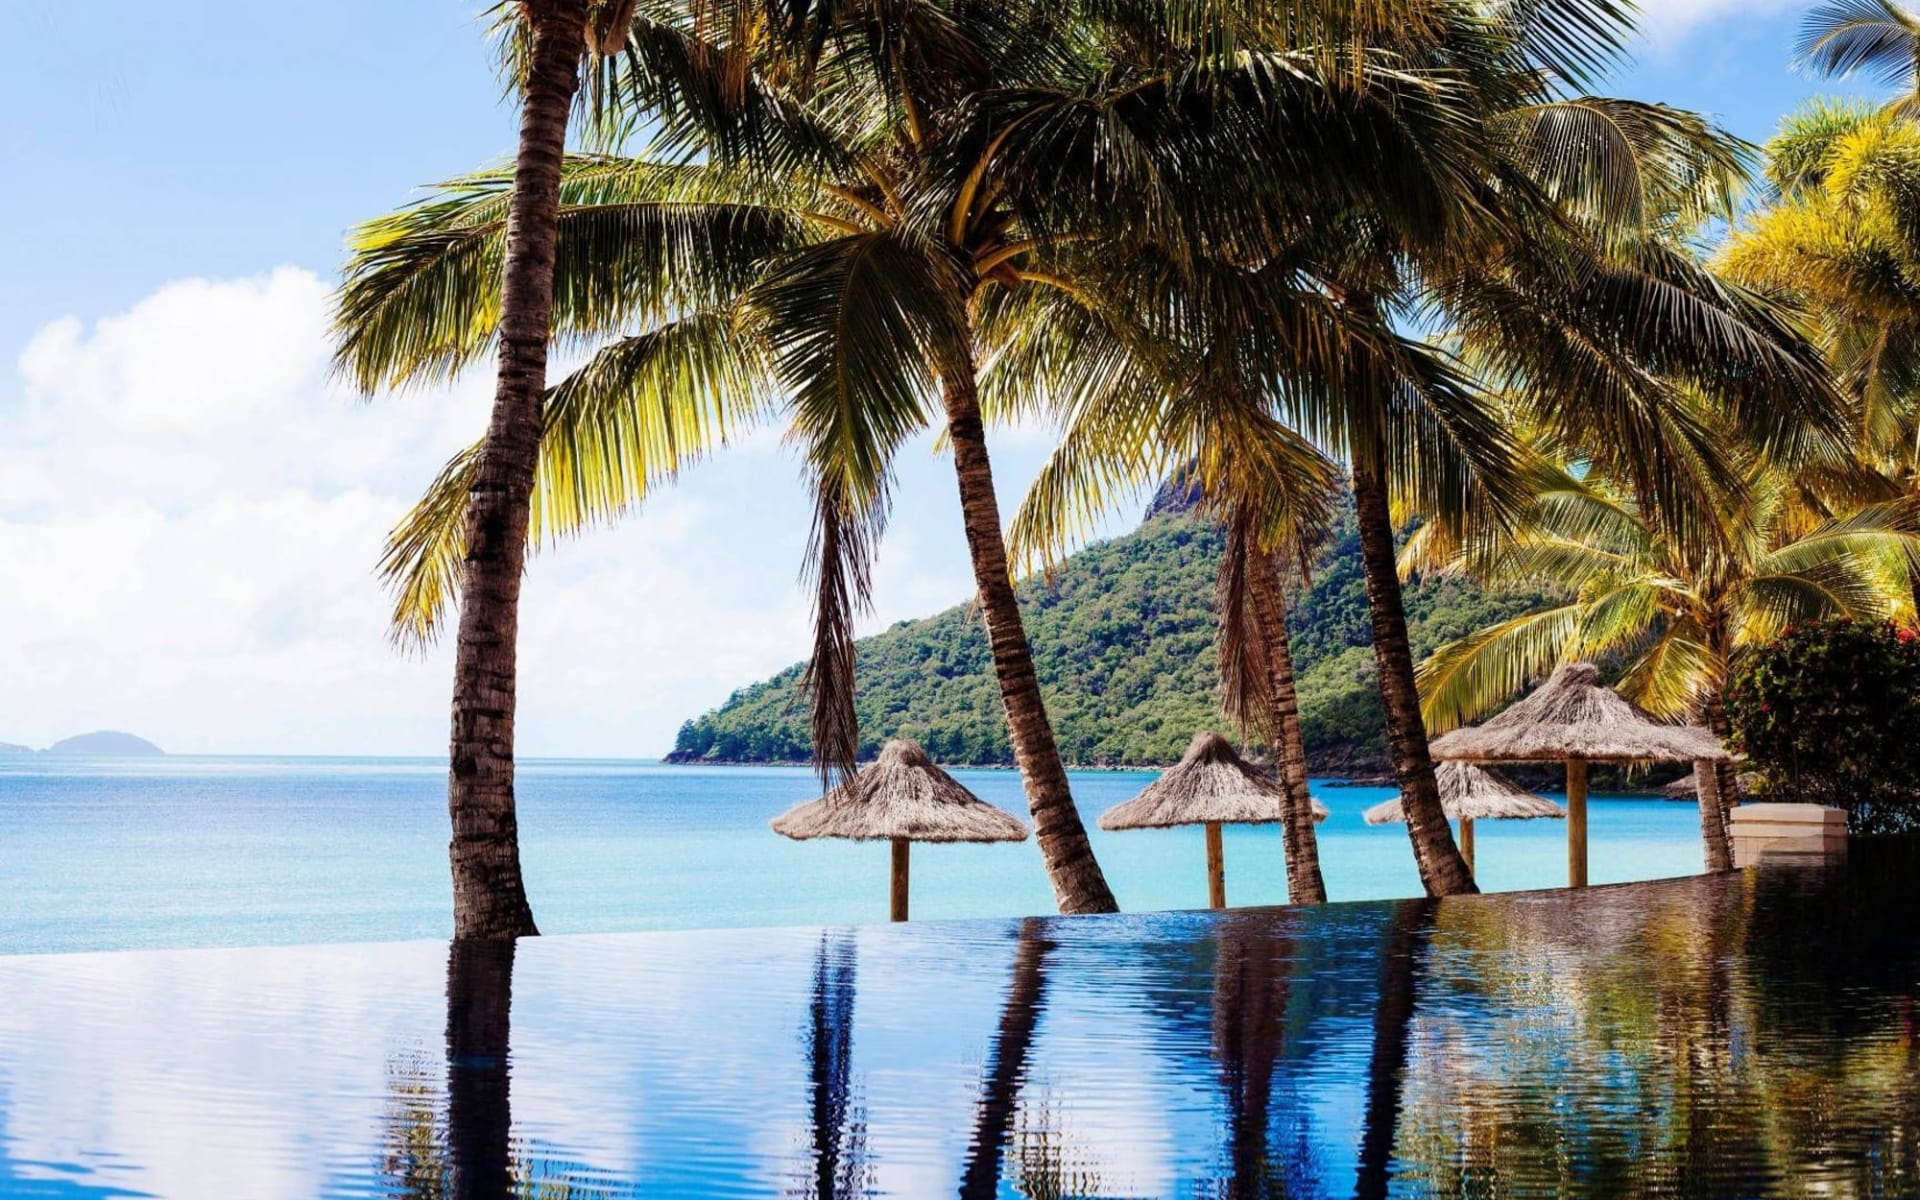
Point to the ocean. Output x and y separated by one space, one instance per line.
115 854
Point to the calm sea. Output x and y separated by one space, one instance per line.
109 854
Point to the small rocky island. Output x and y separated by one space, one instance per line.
102 743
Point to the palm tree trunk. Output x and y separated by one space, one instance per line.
1305 884
1719 791
489 896
1442 871
1716 782
1078 884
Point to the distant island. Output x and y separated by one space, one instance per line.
102 743
1123 642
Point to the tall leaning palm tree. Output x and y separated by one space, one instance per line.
1194 405
489 894
1588 312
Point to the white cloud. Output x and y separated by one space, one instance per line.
1665 24
191 511
190 514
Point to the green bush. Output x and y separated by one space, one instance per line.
1830 714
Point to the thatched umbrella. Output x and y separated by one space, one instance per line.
903 798
1469 794
1211 785
1571 718
1688 787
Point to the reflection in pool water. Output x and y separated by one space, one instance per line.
1744 1035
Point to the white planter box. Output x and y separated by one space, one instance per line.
1787 833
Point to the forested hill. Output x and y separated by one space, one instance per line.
1123 642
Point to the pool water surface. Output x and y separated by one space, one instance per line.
1752 1034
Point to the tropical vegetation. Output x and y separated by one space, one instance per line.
1399 249
1124 638
1673 618
1825 714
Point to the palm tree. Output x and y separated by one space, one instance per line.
1876 36
1594 321
839 218
547 42
1677 613
1842 241
1136 408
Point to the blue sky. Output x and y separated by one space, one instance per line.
190 511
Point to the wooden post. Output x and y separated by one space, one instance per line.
1466 841
1216 867
1576 822
901 848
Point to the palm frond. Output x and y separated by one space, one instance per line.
624 423
638 241
1879 37
1467 678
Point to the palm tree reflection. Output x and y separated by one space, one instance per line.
1251 988
1007 1063
1401 965
838 1123
464 1149
479 1101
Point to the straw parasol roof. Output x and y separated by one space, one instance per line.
1689 786
1572 716
901 795
1469 793
1210 784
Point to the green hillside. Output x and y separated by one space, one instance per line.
1123 642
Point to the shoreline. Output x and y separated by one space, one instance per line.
1334 779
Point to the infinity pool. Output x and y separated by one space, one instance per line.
1746 1035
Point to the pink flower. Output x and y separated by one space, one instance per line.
1905 635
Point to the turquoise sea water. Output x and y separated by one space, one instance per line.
173 852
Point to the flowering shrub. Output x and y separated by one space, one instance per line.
1830 714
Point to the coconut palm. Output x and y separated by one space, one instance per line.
1596 326
547 44
1135 409
1676 616
827 215
1843 241
1579 298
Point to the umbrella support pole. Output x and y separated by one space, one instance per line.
902 849
1466 842
1216 867
1576 822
